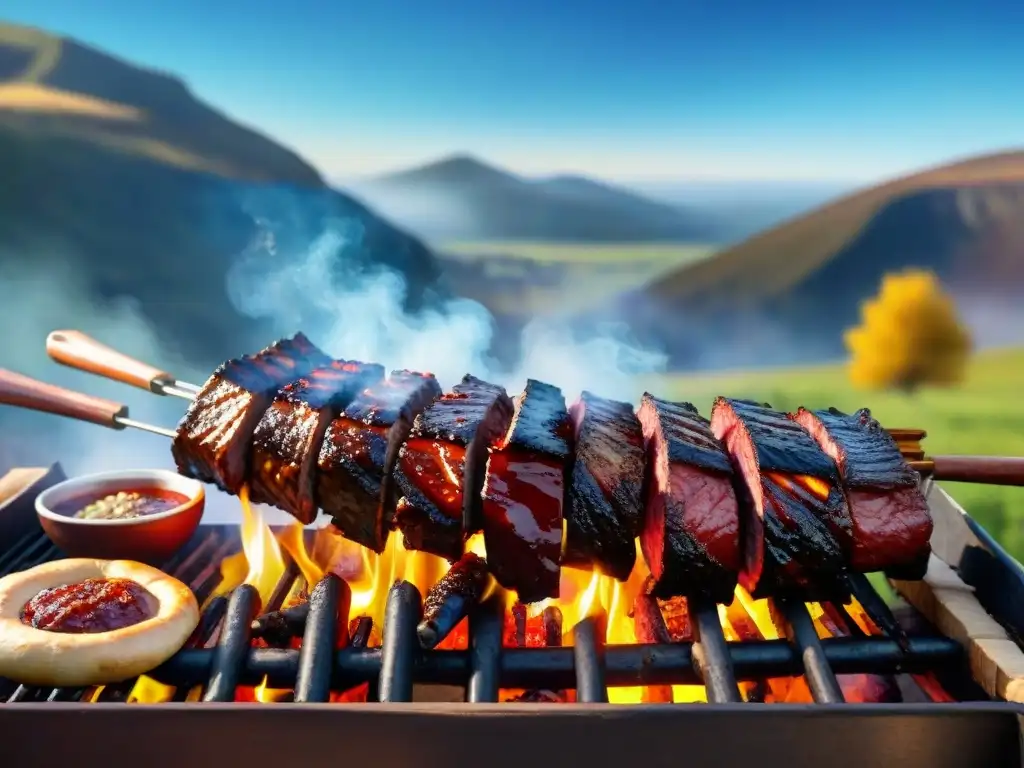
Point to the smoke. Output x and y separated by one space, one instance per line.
49 294
358 313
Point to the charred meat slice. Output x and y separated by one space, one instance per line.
440 470
524 492
287 440
213 438
605 509
691 535
359 451
892 526
791 501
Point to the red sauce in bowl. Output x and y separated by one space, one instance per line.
127 504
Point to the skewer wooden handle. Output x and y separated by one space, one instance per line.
991 470
23 392
76 350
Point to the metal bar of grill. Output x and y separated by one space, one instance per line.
485 628
234 644
588 657
820 677
398 653
711 656
329 599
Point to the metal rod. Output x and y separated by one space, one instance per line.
124 421
875 607
328 602
711 655
588 655
820 677
181 389
625 665
485 633
234 644
400 643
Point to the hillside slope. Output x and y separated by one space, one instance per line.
59 87
462 198
118 176
806 278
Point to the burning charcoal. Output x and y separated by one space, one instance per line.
359 452
538 696
691 535
524 492
794 511
519 617
213 439
891 522
441 468
287 440
605 510
552 618
451 599
279 627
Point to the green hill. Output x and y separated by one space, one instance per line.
807 277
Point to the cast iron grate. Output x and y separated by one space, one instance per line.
219 657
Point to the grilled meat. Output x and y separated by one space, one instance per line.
605 510
792 503
213 438
523 494
440 470
287 440
892 525
691 535
359 452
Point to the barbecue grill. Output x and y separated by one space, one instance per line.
210 716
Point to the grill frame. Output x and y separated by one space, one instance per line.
941 735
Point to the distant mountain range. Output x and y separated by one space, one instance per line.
463 198
787 294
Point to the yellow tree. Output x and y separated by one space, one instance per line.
910 335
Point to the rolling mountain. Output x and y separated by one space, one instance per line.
120 177
800 284
462 198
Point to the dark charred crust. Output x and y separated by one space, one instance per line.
213 439
333 386
541 422
868 456
688 435
457 417
781 445
452 598
359 452
605 510
424 526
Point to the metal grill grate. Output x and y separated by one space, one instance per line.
219 657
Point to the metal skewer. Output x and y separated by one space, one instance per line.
24 392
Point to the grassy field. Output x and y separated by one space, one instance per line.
513 278
983 416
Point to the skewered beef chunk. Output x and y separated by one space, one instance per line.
440 470
451 599
691 535
605 510
213 438
523 494
892 526
790 497
287 440
359 453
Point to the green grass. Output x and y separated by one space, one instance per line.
666 255
985 415
530 278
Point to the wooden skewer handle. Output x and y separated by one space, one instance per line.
23 392
76 350
990 470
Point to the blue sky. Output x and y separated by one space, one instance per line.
627 89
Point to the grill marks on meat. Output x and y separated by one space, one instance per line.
214 436
440 469
524 492
288 438
892 525
793 506
605 510
359 452
691 535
